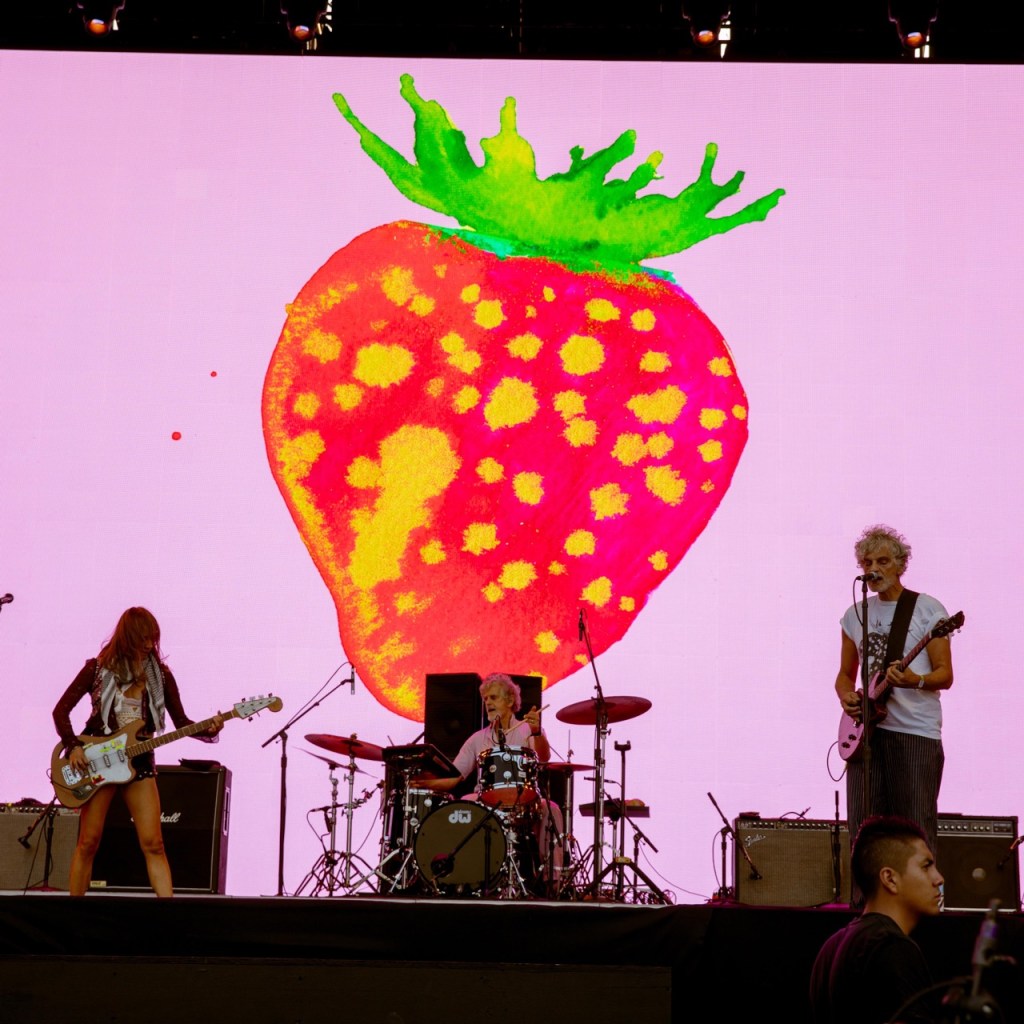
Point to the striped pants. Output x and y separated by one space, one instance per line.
906 772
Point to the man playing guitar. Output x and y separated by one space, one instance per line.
905 745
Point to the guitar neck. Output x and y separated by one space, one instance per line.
144 746
921 645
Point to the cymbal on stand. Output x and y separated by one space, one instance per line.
336 764
617 709
347 745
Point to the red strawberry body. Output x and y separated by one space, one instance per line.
474 447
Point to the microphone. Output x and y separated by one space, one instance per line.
869 577
1009 853
442 865
24 840
8 598
984 948
501 732
582 626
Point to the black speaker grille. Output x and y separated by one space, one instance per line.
979 861
194 809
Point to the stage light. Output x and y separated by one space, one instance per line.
913 20
705 18
99 16
306 19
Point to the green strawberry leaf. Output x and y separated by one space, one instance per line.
574 215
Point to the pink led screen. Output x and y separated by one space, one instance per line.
190 424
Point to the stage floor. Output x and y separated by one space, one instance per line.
420 961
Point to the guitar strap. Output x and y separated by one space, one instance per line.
900 627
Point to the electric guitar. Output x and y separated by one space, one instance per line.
110 757
851 730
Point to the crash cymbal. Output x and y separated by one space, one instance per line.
565 766
618 709
347 745
335 764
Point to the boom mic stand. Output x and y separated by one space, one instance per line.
47 814
724 893
282 733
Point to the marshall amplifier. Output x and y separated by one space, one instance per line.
194 809
978 859
794 858
23 859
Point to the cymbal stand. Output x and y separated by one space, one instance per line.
620 862
325 871
600 743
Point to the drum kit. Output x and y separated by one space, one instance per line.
512 839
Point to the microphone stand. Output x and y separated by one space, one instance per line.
282 733
865 703
48 813
837 858
724 892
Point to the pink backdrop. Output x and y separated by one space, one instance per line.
158 212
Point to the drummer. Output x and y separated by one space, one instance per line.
502 698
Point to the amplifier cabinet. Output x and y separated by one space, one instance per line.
978 859
795 860
194 810
24 867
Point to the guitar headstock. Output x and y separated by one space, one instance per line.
946 626
254 705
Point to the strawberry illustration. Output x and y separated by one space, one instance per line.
480 431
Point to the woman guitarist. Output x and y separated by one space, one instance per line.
126 681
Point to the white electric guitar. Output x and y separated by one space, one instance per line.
110 757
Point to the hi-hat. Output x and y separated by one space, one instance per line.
564 766
617 709
347 745
335 764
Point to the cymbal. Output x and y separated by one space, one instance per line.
335 764
619 709
564 766
347 745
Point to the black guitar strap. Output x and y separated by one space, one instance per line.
900 627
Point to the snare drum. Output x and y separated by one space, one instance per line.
453 867
508 776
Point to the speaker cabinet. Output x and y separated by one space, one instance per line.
194 810
978 859
453 710
25 868
794 858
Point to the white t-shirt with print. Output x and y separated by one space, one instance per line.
918 712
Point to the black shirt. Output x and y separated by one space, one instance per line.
866 972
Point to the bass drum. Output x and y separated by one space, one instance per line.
472 868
